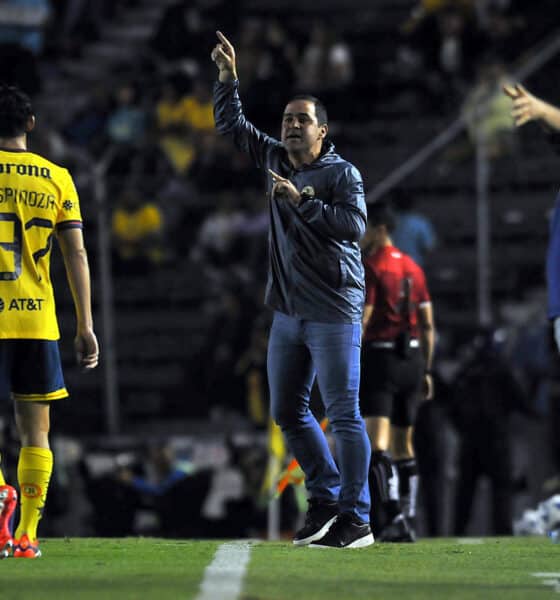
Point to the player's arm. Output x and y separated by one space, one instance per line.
228 111
527 107
71 242
427 343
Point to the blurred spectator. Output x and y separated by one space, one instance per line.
150 482
22 22
326 63
127 120
174 128
449 43
487 112
432 434
161 471
486 392
413 233
218 234
198 107
137 229
87 128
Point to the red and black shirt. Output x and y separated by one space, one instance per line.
386 271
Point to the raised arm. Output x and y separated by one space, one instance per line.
224 57
527 107
228 111
71 244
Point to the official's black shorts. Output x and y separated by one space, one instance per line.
391 386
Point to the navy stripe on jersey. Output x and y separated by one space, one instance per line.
38 222
43 251
69 225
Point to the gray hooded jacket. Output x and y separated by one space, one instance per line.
315 268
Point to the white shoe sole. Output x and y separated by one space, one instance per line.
363 542
316 536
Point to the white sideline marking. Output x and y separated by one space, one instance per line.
223 577
468 541
550 579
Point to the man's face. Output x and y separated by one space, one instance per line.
300 130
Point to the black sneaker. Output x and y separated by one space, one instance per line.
398 530
347 532
321 514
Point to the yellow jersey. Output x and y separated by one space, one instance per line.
37 198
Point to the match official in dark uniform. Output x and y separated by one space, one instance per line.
398 345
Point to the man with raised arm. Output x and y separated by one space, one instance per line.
527 107
316 290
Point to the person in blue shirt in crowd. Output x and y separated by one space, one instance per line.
413 233
316 289
23 22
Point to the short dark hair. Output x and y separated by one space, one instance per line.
15 110
381 213
320 109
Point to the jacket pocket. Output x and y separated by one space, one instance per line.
325 267
332 270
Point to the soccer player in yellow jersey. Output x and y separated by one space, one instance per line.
37 200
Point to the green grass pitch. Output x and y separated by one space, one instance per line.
139 568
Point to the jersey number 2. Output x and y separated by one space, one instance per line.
15 244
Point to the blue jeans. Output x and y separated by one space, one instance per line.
297 352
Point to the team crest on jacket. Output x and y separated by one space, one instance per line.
308 191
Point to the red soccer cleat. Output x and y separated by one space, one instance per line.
8 503
24 548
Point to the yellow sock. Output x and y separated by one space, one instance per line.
2 480
34 472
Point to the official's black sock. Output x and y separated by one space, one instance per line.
408 487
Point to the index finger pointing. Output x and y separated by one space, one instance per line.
223 39
275 175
